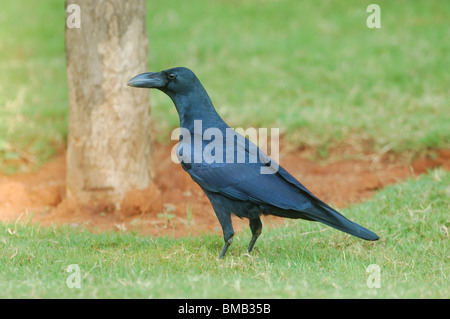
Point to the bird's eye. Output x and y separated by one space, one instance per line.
171 76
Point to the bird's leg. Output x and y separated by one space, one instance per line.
227 228
225 247
256 228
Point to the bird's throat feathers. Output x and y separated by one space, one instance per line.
196 105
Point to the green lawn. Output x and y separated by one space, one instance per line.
299 260
313 69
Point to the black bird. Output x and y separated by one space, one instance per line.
236 184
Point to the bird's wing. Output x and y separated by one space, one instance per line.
244 181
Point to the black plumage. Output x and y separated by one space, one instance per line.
230 173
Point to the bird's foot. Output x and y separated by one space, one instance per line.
225 248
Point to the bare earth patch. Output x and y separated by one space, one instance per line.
175 206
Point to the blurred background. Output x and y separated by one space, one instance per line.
312 68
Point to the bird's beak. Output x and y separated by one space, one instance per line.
148 80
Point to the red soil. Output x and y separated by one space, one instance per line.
175 206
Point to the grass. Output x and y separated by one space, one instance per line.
297 260
33 89
313 69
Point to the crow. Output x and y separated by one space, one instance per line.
232 177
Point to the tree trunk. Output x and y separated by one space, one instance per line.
109 146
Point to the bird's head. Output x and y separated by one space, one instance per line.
172 81
184 88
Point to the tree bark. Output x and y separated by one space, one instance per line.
109 146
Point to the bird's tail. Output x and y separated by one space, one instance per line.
329 216
323 213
